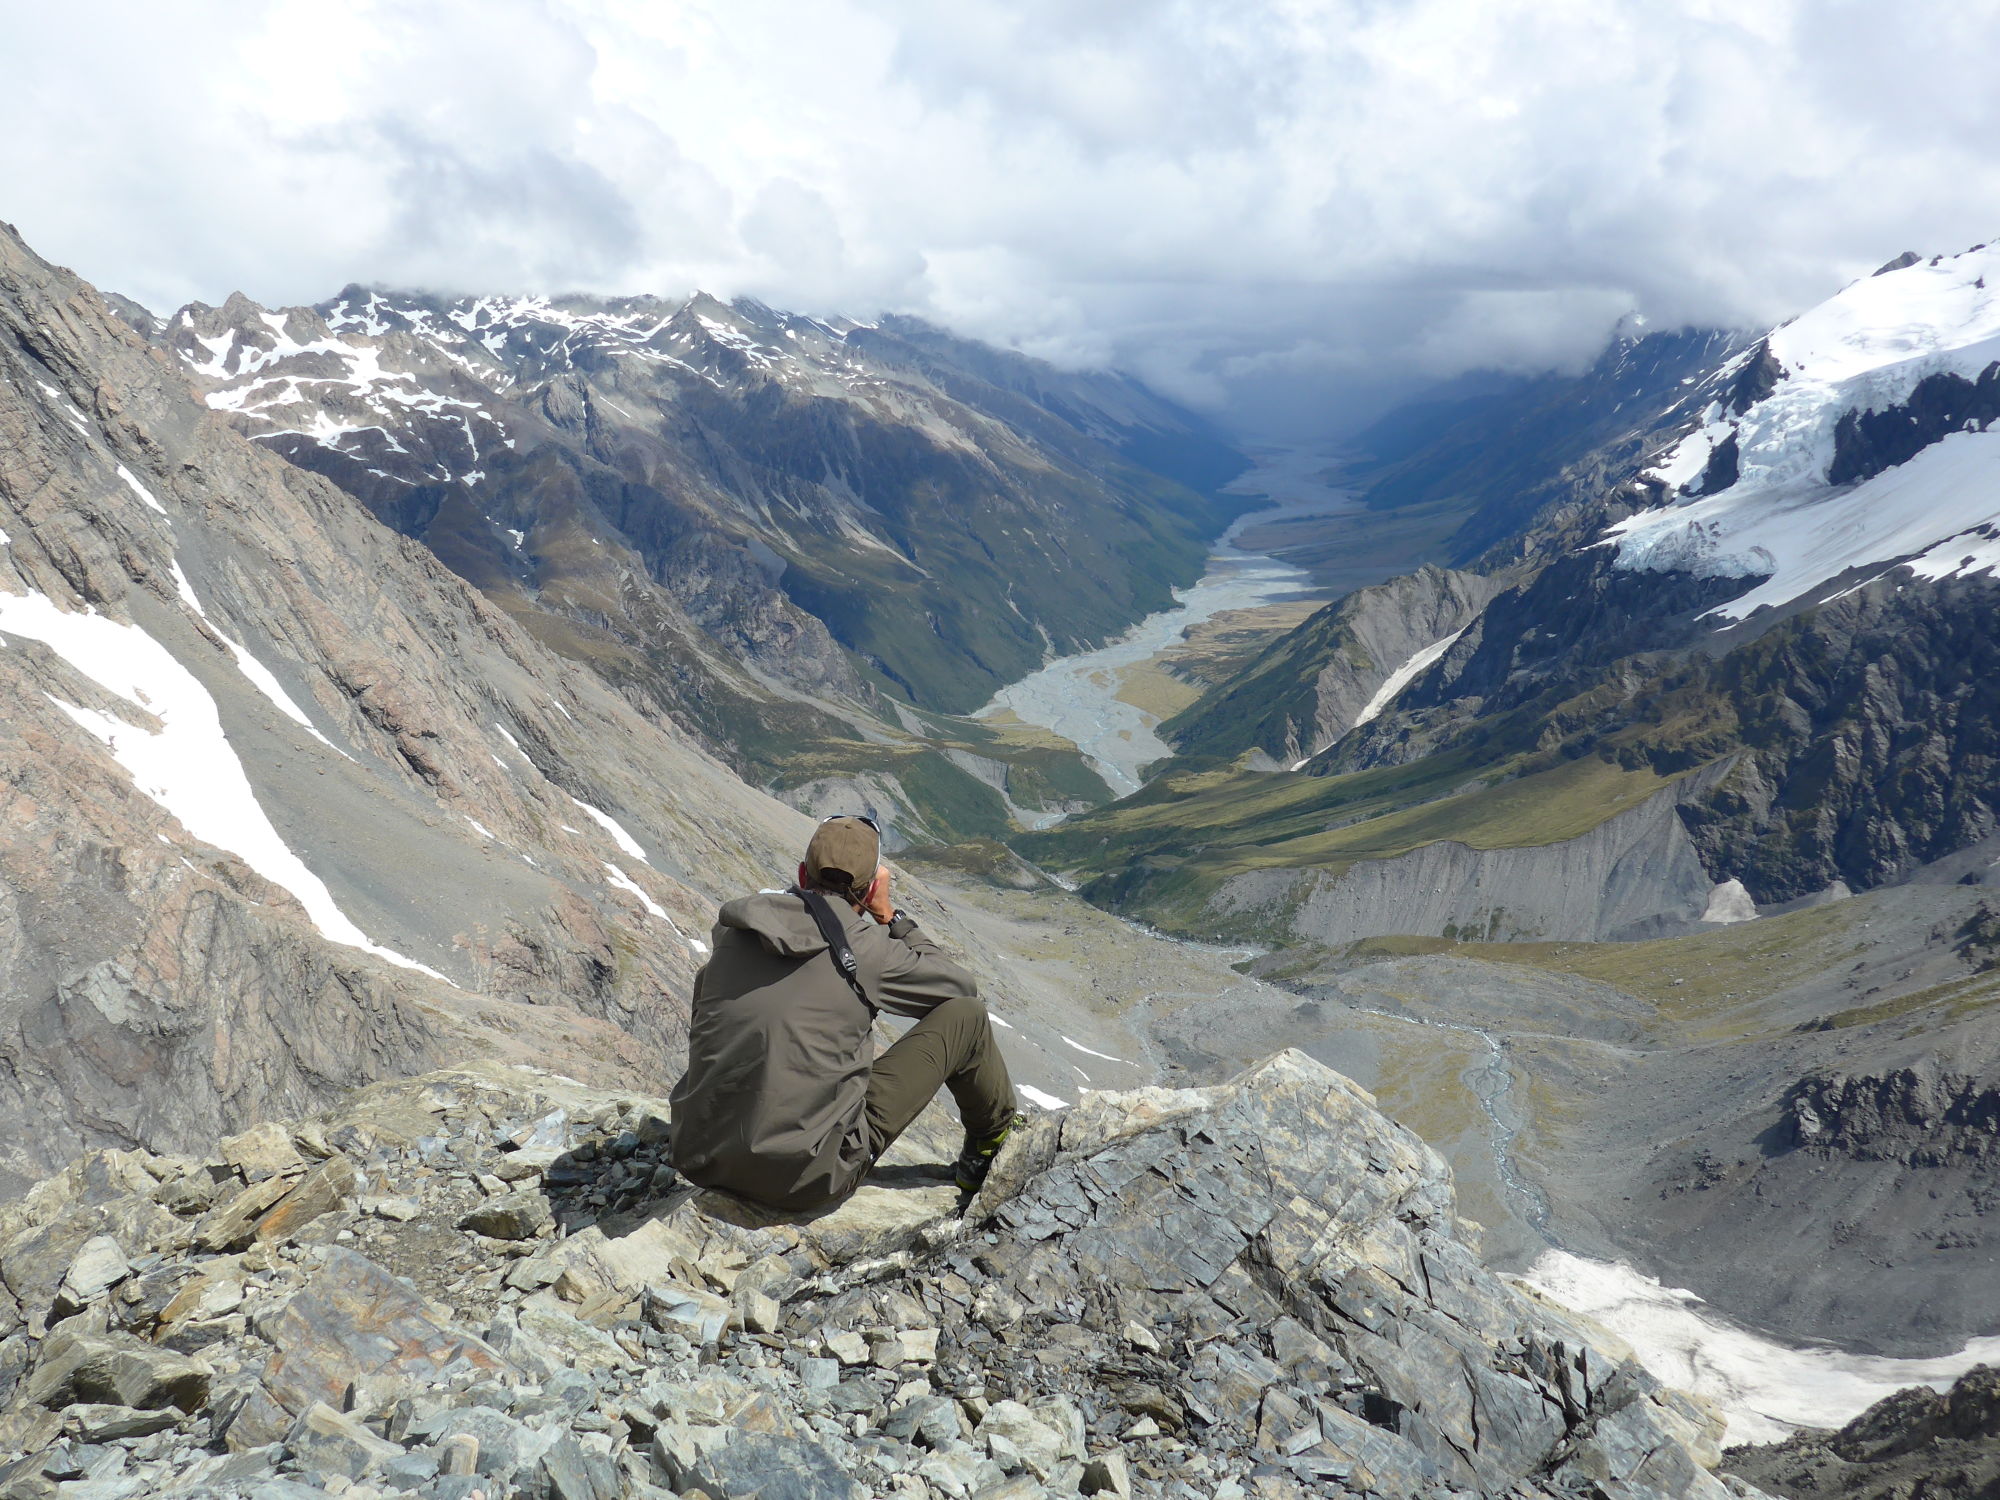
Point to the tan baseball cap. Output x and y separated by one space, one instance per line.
843 856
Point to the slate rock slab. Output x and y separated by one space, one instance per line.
356 1325
116 1369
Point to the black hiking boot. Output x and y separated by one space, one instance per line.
976 1159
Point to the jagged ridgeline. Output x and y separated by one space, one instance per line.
817 543
485 1282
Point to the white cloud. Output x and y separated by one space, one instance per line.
1263 202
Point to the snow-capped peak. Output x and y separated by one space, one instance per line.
1765 493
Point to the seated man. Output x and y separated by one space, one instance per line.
784 1101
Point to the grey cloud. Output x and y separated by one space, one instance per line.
1282 209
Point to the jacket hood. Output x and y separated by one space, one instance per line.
780 921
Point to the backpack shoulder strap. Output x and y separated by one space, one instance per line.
838 949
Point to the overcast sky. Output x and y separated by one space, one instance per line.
1274 208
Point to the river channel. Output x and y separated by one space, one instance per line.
1077 696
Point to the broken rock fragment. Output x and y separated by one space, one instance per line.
99 1266
116 1369
512 1216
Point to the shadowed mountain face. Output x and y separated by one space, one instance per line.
796 536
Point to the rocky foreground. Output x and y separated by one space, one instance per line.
486 1283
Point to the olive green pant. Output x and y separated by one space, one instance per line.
953 1047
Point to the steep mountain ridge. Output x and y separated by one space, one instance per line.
1338 670
810 540
294 808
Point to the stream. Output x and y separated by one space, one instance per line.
1077 696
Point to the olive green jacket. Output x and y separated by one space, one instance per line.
779 1048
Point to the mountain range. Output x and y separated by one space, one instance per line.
820 545
293 806
399 683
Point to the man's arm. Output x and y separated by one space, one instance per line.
919 977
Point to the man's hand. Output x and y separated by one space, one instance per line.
878 904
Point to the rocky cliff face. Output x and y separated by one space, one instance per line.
1926 1116
1632 876
485 1283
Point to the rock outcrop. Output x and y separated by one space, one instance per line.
1918 1444
1924 1116
485 1282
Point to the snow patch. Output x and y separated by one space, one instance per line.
70 409
1392 687
626 883
261 677
187 766
1091 1051
1936 510
1403 676
1764 1389
1864 349
139 489
1035 1096
1688 460
612 826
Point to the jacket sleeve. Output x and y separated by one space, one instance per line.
918 978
